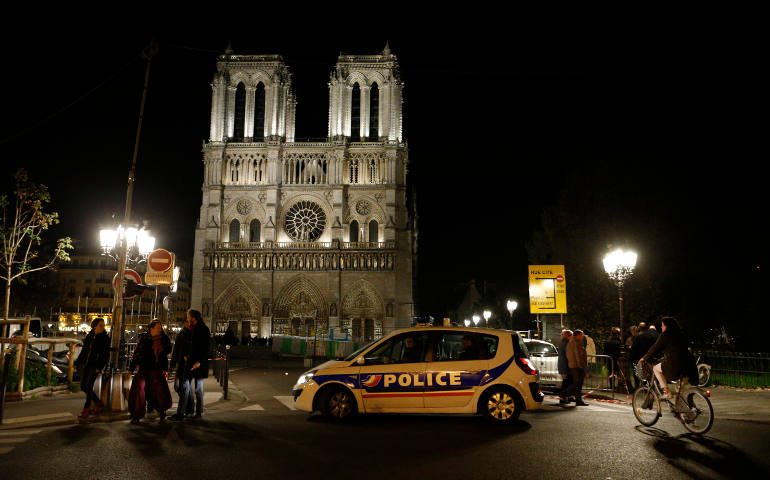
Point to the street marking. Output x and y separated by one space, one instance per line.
37 417
287 402
4 450
256 406
19 432
14 440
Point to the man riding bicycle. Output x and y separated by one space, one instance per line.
677 360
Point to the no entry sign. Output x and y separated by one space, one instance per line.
131 275
160 260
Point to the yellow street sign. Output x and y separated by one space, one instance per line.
547 289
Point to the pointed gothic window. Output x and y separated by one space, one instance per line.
374 231
259 113
354 231
254 231
235 231
355 114
374 113
240 112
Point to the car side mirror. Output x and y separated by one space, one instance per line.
360 360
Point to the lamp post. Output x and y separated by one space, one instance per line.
115 395
487 314
511 306
619 265
476 320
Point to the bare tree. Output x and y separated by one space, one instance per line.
24 220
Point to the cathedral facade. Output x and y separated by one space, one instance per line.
305 238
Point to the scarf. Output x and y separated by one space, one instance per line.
156 346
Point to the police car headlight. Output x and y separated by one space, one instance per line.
305 377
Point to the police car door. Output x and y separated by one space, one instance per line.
392 378
457 369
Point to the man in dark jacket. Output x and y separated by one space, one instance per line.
563 364
644 339
197 365
92 359
179 361
612 348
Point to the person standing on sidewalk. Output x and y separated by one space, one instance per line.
198 363
612 348
151 355
179 362
563 365
578 362
92 359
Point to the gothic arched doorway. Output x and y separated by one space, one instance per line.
239 310
362 312
295 309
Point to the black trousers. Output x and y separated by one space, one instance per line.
576 387
565 383
87 380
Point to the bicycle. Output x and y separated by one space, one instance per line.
692 406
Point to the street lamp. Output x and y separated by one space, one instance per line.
136 245
511 306
476 320
487 314
619 265
467 323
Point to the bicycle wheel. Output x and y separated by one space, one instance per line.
704 375
646 405
700 418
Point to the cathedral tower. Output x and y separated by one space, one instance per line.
288 230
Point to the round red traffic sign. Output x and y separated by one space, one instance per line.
130 275
160 260
559 278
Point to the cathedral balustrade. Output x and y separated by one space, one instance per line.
305 261
367 245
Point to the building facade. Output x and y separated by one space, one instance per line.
304 238
84 285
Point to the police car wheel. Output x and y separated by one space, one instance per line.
339 404
500 406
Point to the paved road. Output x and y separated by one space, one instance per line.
258 435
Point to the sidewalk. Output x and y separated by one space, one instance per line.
64 409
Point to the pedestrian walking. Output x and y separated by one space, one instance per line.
612 349
179 363
149 384
578 362
197 365
563 365
93 357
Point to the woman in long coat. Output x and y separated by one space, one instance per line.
92 359
151 355
677 361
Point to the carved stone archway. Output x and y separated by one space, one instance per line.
295 308
238 308
362 312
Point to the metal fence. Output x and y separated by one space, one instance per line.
745 370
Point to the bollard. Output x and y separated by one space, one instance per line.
227 370
3 380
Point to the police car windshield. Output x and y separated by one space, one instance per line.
353 355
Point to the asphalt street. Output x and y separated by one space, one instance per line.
258 435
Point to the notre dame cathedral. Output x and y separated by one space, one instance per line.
297 234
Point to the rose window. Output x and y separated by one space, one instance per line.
305 221
363 207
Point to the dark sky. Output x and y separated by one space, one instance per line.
501 113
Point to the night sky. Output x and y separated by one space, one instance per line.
501 115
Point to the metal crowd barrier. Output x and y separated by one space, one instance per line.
745 370
602 375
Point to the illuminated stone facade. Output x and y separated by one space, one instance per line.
290 228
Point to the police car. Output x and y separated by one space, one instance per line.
427 370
